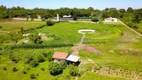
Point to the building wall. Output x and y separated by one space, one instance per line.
110 20
59 60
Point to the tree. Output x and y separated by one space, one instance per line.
55 68
136 18
35 38
130 9
91 10
50 23
15 69
15 36
95 19
122 10
113 12
132 25
74 12
73 70
33 15
49 56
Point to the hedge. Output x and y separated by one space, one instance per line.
38 46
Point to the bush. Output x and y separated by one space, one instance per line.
0 26
73 70
34 63
64 65
42 69
15 69
50 54
15 59
55 68
4 68
50 23
33 76
45 54
132 25
41 58
95 19
24 72
38 46
28 59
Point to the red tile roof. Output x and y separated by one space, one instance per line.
60 55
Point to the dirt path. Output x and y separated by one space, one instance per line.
84 47
130 28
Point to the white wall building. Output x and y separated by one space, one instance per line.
110 19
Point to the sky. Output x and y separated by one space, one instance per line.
54 4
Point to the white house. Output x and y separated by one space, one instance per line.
110 19
67 16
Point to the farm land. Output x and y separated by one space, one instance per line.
121 49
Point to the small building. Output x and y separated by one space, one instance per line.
67 16
69 58
59 56
73 58
110 19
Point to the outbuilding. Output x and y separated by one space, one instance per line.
59 56
73 58
110 19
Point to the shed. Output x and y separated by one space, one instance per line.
59 56
73 58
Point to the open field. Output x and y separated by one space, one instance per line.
121 48
17 25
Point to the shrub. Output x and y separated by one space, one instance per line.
15 69
34 63
15 59
4 68
24 72
50 54
55 68
95 19
73 70
64 65
38 46
33 76
45 54
132 25
42 69
28 68
50 23
41 58
28 59
0 26
97 67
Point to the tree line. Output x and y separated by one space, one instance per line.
135 15
50 13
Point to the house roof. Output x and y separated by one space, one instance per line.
73 58
60 55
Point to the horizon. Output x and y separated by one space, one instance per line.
52 4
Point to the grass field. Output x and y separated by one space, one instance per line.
121 48
17 25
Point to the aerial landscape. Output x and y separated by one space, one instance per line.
70 40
